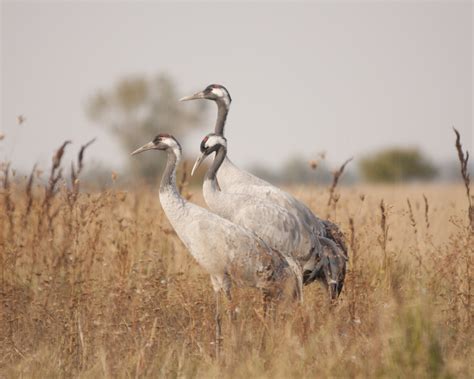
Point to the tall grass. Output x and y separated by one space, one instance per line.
101 287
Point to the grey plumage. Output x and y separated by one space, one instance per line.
275 225
227 251
218 245
231 179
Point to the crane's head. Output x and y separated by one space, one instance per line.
162 141
209 144
215 92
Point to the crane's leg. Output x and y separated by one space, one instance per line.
218 327
268 305
230 305
233 336
265 305
269 315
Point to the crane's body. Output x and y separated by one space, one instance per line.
278 228
233 179
325 261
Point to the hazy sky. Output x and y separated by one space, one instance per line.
346 78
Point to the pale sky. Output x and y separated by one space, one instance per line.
345 78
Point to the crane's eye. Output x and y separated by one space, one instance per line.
203 144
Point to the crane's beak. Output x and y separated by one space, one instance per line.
199 95
148 146
198 163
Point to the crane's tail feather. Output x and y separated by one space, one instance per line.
330 268
334 268
334 234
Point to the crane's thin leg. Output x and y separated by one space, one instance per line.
265 305
268 306
232 314
267 310
230 306
218 327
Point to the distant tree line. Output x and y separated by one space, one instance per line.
302 171
397 165
390 165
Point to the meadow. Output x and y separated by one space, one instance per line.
96 284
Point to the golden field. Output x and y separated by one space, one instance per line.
98 285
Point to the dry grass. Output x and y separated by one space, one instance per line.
101 287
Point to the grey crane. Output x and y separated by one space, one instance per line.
227 251
329 263
277 227
274 224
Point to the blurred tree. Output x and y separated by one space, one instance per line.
137 109
396 165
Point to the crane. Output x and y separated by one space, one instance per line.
228 252
278 228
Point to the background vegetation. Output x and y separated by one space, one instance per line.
397 165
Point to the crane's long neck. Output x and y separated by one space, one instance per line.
222 112
168 179
210 178
178 211
215 198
